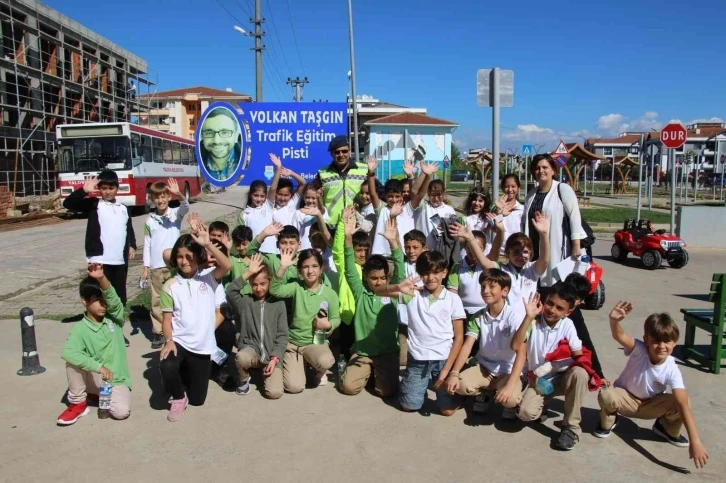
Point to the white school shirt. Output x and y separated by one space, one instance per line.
402 310
512 223
524 282
367 210
257 219
495 336
192 303
476 222
303 222
469 288
423 221
161 232
643 379
541 339
430 328
113 219
285 214
405 223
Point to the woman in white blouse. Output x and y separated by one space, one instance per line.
559 202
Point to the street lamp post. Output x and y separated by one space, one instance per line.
352 78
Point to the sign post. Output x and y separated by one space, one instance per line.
501 94
527 150
561 157
673 136
723 169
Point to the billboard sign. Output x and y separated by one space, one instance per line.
234 142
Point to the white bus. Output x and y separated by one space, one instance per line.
139 155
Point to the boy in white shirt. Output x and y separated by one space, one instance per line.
286 198
639 392
435 335
404 213
543 331
496 364
161 231
414 246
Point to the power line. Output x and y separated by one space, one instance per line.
277 35
247 10
229 13
294 36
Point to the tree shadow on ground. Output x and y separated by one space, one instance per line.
158 399
73 318
140 320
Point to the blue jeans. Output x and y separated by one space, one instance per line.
415 382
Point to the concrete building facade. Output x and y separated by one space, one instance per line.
178 111
54 71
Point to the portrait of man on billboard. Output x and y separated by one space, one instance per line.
221 143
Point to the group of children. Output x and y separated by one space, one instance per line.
401 280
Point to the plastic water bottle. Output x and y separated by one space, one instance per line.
497 220
585 259
320 336
104 400
545 386
341 369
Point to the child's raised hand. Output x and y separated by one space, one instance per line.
461 231
173 187
395 210
286 256
194 221
95 270
256 262
350 226
201 237
408 168
429 167
408 286
620 311
227 241
504 208
348 212
90 184
372 164
391 233
275 161
285 173
312 211
541 223
533 307
273 229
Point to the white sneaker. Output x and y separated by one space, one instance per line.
322 380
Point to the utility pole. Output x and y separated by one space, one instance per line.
298 84
354 99
258 48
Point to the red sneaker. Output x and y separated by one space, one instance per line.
72 413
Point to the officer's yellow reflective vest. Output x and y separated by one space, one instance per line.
340 190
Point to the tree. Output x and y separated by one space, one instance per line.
457 161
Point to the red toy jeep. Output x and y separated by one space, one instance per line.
652 246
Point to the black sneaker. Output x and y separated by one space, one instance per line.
126 341
680 441
567 440
157 342
605 433
481 403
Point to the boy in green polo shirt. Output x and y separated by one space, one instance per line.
375 321
95 351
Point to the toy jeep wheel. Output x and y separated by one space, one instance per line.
652 259
679 262
596 300
618 252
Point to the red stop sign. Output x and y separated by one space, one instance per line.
673 135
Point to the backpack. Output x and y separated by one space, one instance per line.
589 239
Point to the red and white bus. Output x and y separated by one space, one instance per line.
139 155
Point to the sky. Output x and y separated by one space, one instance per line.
578 70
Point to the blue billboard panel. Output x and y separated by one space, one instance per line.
298 133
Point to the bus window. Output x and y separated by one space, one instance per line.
156 146
177 153
185 154
146 149
167 151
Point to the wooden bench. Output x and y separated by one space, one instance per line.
710 320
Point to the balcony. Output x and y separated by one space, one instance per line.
159 127
159 111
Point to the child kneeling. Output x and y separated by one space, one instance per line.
496 365
639 392
263 328
95 351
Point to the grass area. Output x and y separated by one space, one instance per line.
619 215
143 299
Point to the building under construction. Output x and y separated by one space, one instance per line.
55 71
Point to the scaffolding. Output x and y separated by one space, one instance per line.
55 71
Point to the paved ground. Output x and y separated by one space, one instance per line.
41 263
323 436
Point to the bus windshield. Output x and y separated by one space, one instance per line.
94 154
